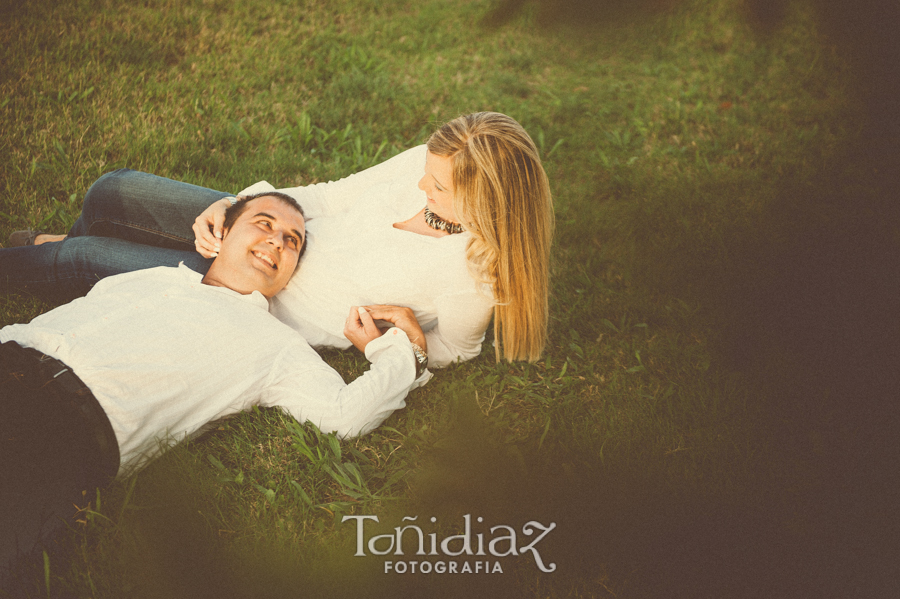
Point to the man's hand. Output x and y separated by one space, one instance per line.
402 318
208 228
360 328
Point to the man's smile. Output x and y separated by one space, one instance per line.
266 258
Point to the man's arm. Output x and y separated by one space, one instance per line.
311 390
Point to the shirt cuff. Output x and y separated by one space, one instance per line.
397 337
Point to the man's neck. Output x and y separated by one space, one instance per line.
210 278
214 279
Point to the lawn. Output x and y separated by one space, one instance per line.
709 418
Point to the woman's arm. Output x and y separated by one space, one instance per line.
319 199
462 319
323 199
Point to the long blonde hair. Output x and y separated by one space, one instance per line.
502 197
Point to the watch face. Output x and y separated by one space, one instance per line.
420 355
421 359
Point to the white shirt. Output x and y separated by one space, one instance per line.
164 354
356 257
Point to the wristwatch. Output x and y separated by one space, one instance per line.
421 359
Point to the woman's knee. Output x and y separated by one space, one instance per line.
108 186
108 198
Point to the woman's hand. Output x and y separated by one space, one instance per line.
359 328
208 228
402 318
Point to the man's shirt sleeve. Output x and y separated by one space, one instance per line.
304 385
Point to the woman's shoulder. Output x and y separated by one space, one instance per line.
400 173
414 155
408 161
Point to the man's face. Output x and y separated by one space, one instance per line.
261 250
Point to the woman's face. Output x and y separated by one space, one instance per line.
438 186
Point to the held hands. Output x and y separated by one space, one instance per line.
208 228
360 326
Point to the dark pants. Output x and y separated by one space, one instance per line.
50 460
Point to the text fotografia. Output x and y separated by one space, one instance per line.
502 542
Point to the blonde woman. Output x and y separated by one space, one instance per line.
457 230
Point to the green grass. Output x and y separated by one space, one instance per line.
688 154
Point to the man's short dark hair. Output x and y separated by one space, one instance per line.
235 211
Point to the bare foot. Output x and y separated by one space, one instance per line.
45 237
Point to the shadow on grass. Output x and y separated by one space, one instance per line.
804 300
577 12
620 530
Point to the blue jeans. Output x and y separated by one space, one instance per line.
130 220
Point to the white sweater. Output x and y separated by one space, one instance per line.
356 257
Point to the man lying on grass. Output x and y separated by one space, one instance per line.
93 388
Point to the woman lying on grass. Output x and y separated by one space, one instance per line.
476 243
